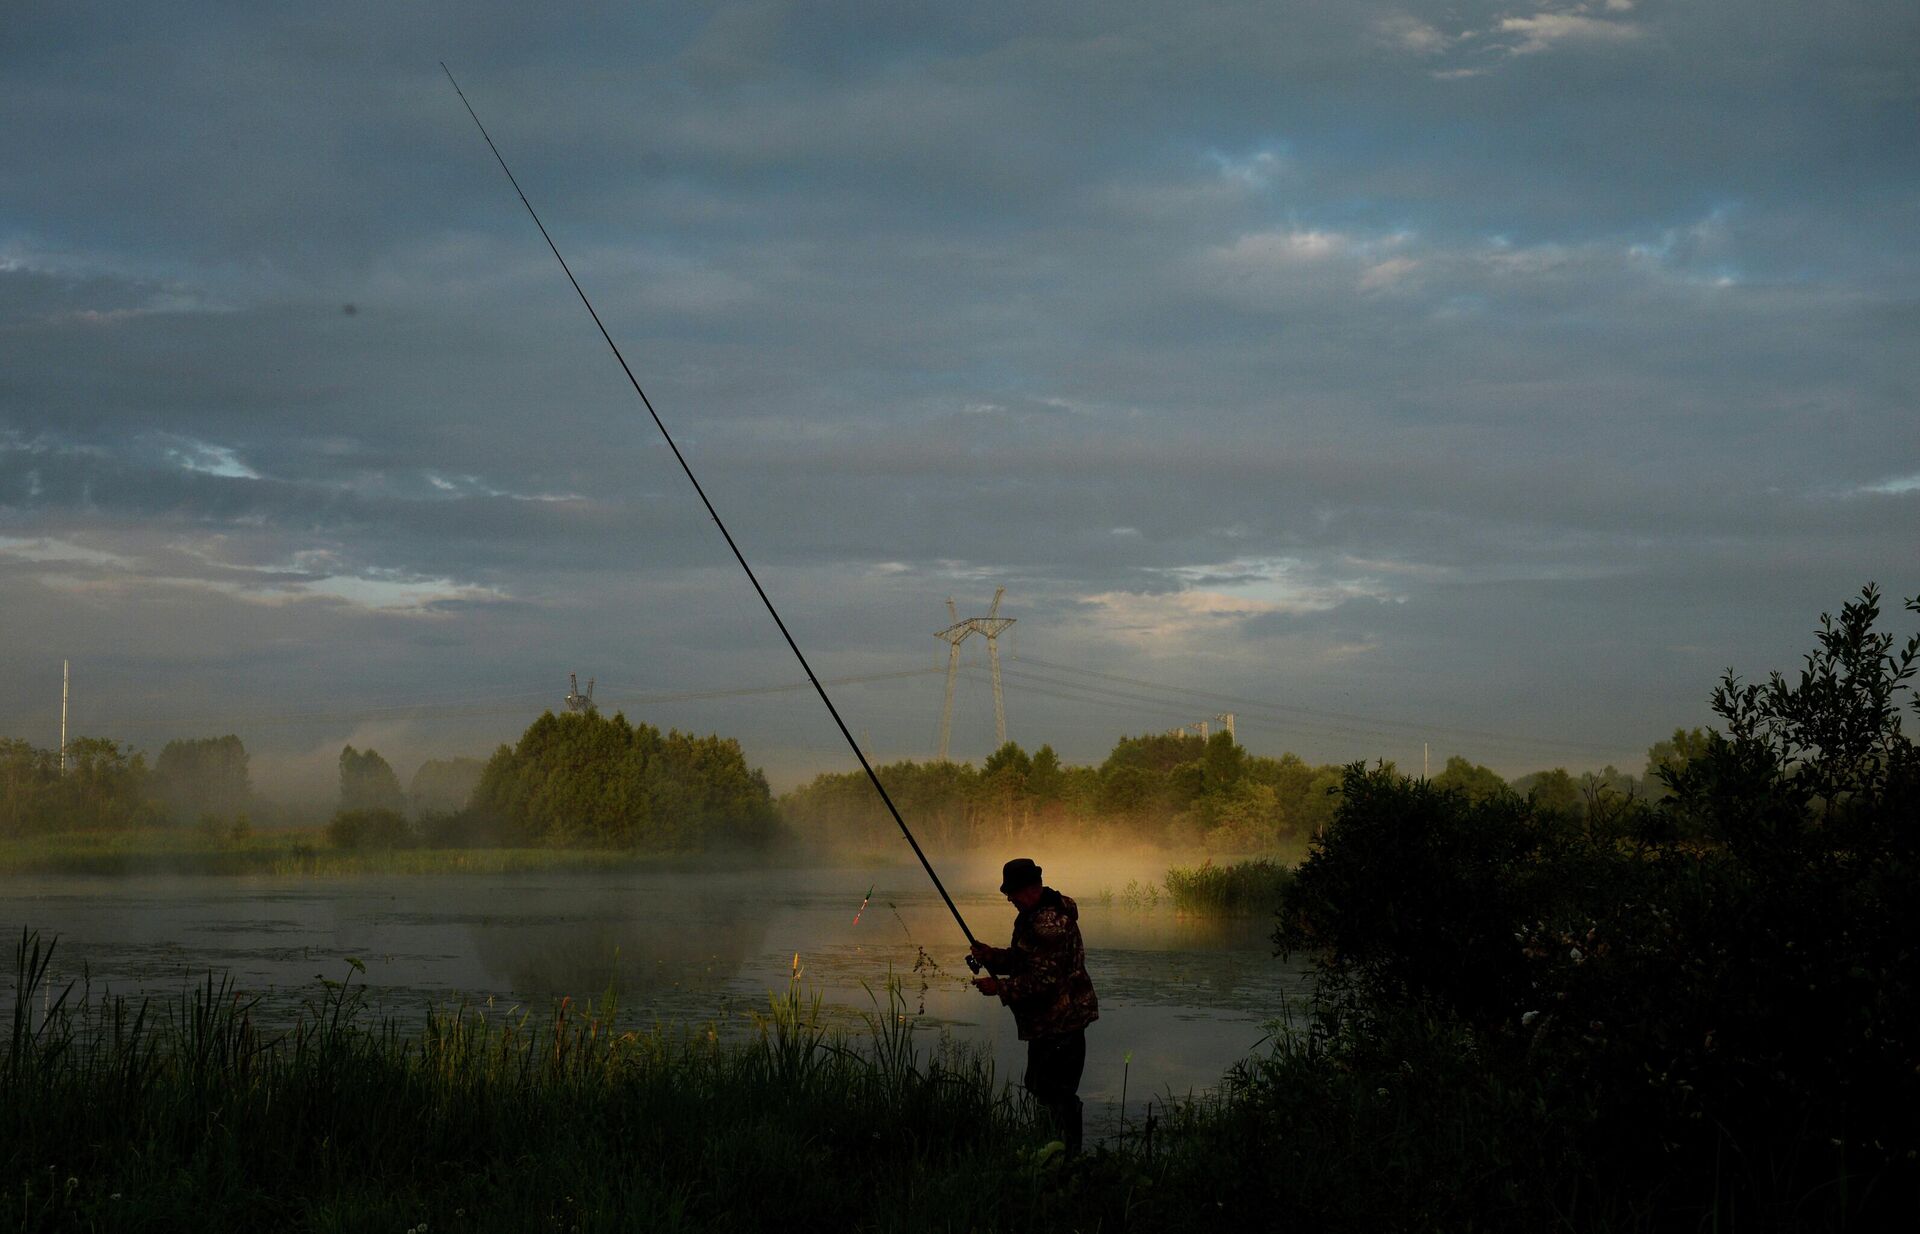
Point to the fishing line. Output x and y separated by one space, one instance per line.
715 515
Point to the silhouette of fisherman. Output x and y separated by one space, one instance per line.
1043 978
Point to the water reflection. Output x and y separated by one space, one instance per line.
686 948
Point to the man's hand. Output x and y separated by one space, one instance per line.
989 986
982 952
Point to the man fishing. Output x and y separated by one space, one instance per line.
1042 976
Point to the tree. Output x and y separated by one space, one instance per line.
1246 818
27 773
1477 783
1009 757
444 785
203 777
1045 780
1822 753
1554 790
368 783
599 781
1225 762
1160 752
1673 754
1727 972
1128 789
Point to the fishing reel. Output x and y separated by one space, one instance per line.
973 962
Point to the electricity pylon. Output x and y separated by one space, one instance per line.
578 703
990 628
953 635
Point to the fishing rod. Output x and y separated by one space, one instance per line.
715 515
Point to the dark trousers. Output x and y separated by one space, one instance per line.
1054 1065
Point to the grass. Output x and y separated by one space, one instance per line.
1243 887
187 850
189 1114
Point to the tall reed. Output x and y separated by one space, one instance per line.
1254 886
114 1112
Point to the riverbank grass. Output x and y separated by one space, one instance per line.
190 1114
283 853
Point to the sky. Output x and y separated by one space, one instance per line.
1485 378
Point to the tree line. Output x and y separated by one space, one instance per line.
107 785
1164 788
1174 789
593 780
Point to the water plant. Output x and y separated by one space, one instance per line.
1253 887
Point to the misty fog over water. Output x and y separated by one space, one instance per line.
1186 997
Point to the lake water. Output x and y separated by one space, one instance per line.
1186 997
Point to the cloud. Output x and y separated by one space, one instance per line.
1897 486
1545 31
1170 621
1255 171
211 460
1458 336
1195 606
1406 32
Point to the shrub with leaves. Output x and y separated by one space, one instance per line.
1718 992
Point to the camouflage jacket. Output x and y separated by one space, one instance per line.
1043 975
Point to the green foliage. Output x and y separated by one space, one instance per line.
1224 762
368 783
194 778
358 830
1714 994
444 785
1158 788
597 781
1009 761
1555 792
842 808
1046 780
1158 752
1670 757
1469 779
104 787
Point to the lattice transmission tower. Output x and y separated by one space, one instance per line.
990 628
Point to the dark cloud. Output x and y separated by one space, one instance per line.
1510 372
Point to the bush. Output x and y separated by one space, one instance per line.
462 829
1716 994
368 829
